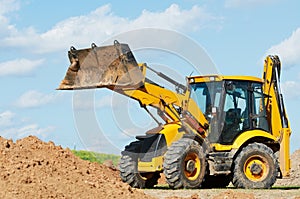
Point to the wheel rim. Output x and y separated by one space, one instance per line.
192 166
256 168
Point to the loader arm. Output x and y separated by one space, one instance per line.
114 67
175 107
276 113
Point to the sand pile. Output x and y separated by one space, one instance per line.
30 168
294 179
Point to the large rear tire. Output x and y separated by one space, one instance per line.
129 170
255 167
184 164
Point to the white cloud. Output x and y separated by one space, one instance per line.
33 98
19 67
6 118
29 129
288 49
33 129
247 3
174 18
86 100
291 89
12 126
7 6
101 23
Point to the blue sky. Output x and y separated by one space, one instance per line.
36 35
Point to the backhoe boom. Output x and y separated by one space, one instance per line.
276 112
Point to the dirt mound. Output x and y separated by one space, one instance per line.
234 195
194 196
30 168
294 179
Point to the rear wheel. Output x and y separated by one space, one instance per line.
129 170
255 167
184 164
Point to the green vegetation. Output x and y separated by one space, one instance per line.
97 157
286 187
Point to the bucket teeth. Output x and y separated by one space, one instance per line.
105 66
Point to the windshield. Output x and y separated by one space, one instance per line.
231 107
207 96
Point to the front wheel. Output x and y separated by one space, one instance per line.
129 168
184 164
255 167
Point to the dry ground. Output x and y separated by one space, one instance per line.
288 188
229 193
31 168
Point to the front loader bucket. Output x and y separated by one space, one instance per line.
105 66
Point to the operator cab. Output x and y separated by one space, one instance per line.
232 105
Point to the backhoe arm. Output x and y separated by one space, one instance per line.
276 113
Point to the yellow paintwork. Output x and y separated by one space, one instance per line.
209 78
155 165
221 147
273 113
143 68
196 112
284 155
195 173
179 111
278 133
164 99
170 131
155 99
244 137
255 159
153 95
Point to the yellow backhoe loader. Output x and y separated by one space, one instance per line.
216 130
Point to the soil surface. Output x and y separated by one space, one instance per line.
228 193
287 188
294 179
31 168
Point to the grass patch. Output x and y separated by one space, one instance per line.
96 157
286 187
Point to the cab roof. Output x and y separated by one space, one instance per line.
210 78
